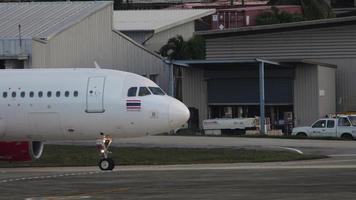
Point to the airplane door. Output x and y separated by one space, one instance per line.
95 95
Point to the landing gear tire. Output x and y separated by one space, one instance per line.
106 164
103 145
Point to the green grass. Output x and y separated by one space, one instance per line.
65 155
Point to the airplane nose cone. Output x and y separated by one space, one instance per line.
178 114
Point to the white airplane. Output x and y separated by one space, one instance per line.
38 105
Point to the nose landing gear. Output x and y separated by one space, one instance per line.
105 162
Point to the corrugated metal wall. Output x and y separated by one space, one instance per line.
80 45
345 81
161 38
127 56
306 107
314 93
194 89
327 94
93 40
335 42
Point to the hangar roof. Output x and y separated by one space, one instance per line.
279 27
43 19
156 20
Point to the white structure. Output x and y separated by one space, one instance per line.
153 28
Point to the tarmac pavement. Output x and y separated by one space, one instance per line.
325 179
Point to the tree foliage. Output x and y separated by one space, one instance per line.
313 9
277 16
179 49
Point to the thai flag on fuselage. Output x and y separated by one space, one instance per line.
133 105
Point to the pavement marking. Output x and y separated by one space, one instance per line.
51 176
342 155
58 198
292 149
87 195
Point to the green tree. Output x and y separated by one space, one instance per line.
276 16
178 49
313 9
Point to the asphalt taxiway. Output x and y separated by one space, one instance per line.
325 179
318 179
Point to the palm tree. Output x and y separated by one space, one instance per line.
178 49
174 48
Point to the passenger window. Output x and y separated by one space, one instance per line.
331 124
58 94
143 91
40 94
75 94
22 94
156 91
319 124
13 94
343 122
49 94
66 93
4 94
132 92
31 94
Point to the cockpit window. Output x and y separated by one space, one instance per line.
132 92
156 91
143 91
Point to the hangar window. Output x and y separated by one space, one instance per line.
143 91
22 94
13 94
66 93
132 92
49 94
75 94
4 94
156 91
31 94
58 94
40 94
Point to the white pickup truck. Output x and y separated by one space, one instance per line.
341 126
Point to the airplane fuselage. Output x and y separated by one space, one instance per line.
81 104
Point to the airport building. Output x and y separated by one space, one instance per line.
152 30
314 75
72 34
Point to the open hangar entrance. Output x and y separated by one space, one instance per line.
296 92
233 92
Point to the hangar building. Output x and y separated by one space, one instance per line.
316 76
153 28
72 34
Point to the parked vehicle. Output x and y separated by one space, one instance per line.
228 125
341 126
